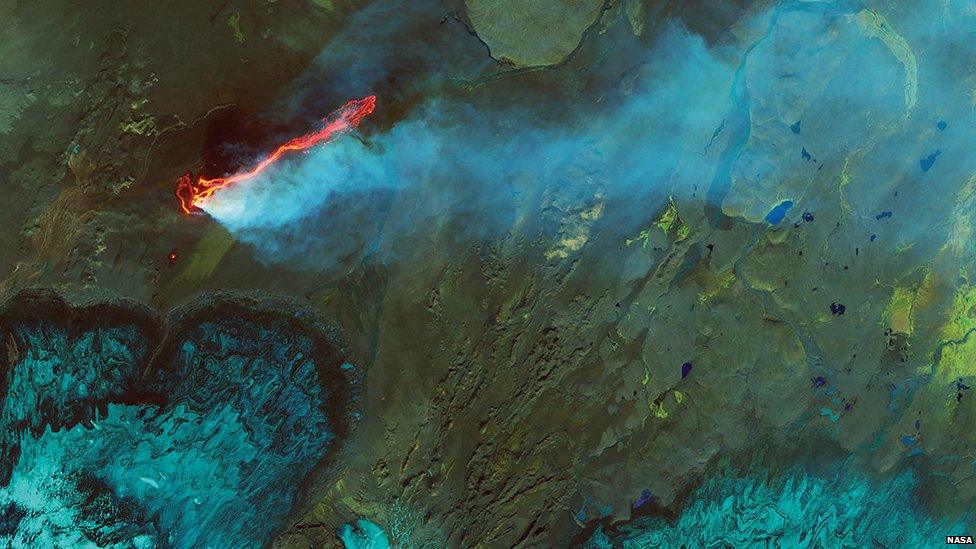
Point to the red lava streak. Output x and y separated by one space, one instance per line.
192 195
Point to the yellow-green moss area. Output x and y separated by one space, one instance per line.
669 219
957 361
713 283
234 22
962 313
657 408
905 303
643 237
899 311
210 250
670 223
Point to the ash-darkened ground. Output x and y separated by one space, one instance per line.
537 274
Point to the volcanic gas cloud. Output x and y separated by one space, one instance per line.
192 195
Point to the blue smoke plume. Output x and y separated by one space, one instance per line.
778 109
450 160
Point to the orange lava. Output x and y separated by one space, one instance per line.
193 195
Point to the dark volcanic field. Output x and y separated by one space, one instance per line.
589 267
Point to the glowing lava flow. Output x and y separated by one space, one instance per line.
192 195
